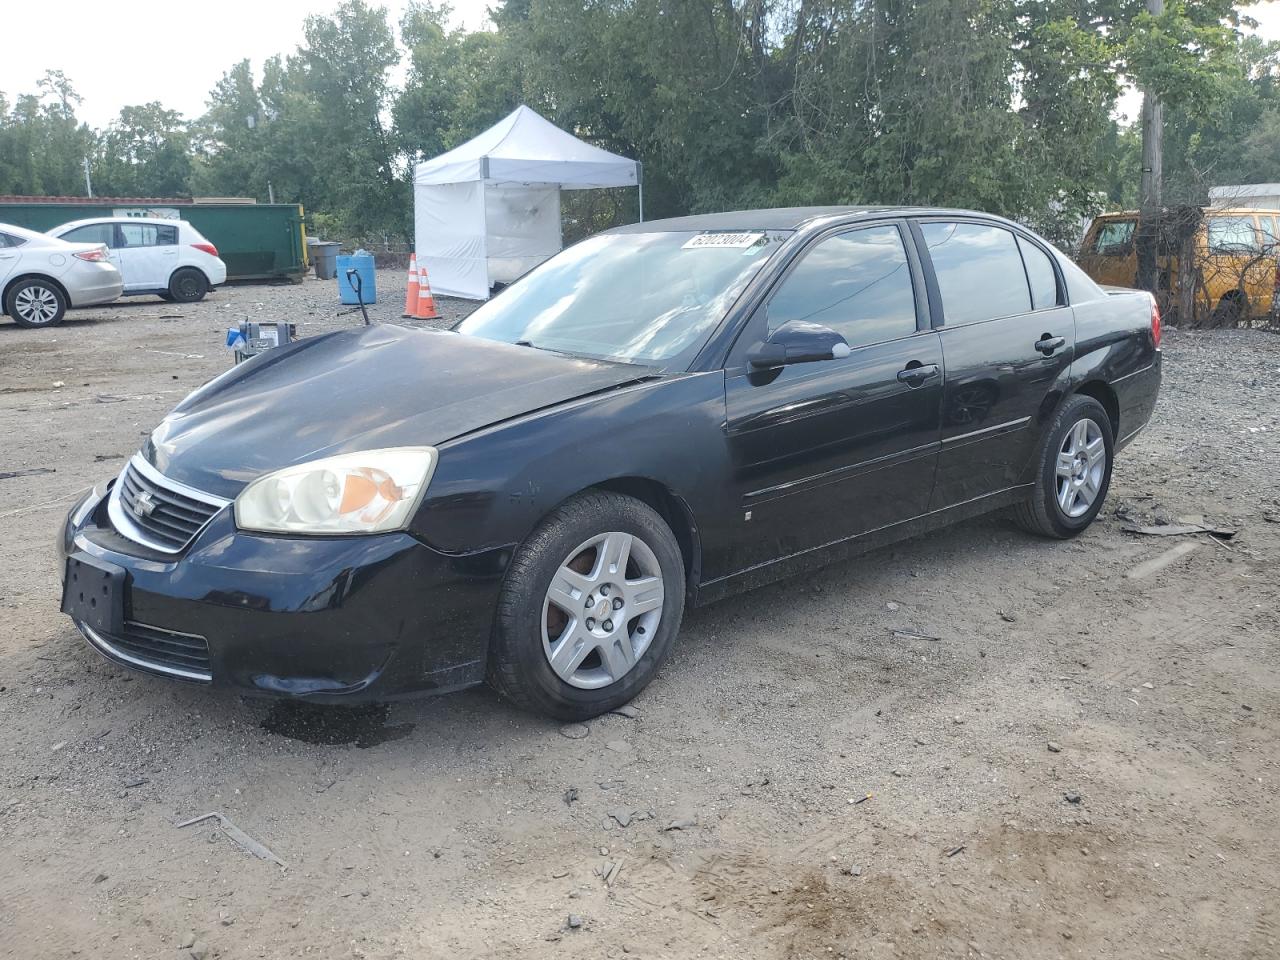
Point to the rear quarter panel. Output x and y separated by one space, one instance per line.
1115 345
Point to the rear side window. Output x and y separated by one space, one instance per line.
1232 235
1044 282
166 236
139 234
9 240
1114 237
856 283
92 233
979 270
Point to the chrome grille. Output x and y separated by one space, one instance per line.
150 509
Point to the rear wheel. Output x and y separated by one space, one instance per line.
1075 471
589 609
188 285
35 303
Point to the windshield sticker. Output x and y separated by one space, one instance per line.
732 241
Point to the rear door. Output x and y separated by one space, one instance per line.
1007 339
828 450
148 254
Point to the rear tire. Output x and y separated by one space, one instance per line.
188 285
1074 471
35 303
556 647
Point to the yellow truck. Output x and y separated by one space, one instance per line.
1236 254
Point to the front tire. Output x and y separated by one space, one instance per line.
188 285
35 303
589 609
1074 471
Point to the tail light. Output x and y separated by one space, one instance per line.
93 256
1155 322
208 248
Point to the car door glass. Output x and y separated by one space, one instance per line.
1044 282
166 236
979 271
1113 238
856 283
92 233
1232 235
138 234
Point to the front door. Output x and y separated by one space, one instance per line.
828 450
1008 339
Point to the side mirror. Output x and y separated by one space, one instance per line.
797 342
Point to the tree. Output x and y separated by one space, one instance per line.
145 152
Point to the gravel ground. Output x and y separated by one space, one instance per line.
1083 764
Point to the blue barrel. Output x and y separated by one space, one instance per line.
362 262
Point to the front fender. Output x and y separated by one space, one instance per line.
492 487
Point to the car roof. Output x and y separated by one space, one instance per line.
91 220
786 218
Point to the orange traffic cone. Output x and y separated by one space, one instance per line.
411 295
426 302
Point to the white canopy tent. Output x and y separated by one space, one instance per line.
489 210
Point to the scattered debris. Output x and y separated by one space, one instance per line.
1179 530
135 782
892 607
237 835
623 815
618 746
574 921
100 878
683 824
854 801
911 635
575 731
1071 797
570 796
954 850
611 873
188 941
1007 617
29 472
1054 747
58 746
853 870
1159 562
626 710
559 874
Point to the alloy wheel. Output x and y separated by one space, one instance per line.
1081 468
36 305
602 610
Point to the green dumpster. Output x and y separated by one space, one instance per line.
257 241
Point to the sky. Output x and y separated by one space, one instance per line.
135 51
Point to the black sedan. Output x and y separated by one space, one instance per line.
661 415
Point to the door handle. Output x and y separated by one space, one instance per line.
1047 344
917 373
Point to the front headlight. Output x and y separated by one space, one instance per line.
366 492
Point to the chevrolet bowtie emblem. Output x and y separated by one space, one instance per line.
144 505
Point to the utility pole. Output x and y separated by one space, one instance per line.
1152 175
88 184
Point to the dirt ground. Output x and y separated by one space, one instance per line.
1084 763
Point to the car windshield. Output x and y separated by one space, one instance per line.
651 298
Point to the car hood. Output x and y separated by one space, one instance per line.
362 389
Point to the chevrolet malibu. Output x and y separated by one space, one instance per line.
660 416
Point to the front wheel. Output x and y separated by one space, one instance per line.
1074 471
589 609
35 303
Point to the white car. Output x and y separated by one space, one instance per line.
40 276
169 258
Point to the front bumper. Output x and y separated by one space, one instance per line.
337 619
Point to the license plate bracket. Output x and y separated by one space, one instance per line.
93 592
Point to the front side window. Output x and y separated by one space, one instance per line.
103 233
1114 237
651 298
856 283
1232 235
979 270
